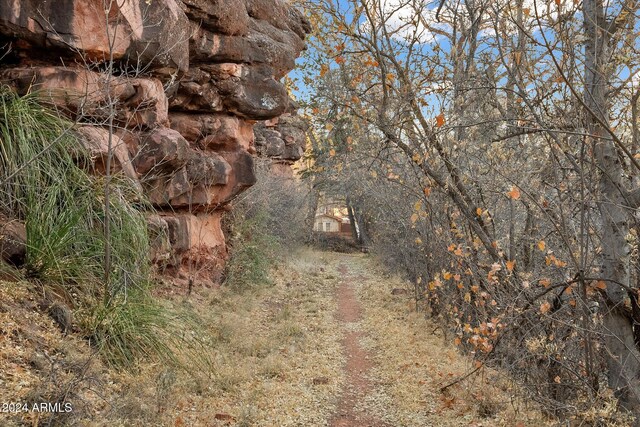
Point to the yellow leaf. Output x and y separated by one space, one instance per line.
324 69
418 241
329 127
542 245
374 174
559 263
514 193
467 297
479 211
440 120
545 307
414 218
511 265
418 205
447 275
332 152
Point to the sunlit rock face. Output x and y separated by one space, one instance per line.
185 83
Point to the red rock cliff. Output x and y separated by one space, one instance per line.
185 83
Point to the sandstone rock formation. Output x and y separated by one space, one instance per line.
185 82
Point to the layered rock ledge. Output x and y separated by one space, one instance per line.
182 85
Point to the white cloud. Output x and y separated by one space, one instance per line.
535 13
405 20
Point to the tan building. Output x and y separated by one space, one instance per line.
327 223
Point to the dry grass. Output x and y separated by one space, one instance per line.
260 354
271 345
413 361
39 364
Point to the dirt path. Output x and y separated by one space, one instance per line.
358 360
327 344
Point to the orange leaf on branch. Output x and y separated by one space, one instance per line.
514 193
545 307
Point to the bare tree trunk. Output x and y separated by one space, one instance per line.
352 221
623 357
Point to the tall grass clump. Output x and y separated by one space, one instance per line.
45 181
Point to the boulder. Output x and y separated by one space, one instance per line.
189 81
283 138
195 186
189 231
293 129
292 152
279 14
198 245
138 33
264 44
269 142
214 131
13 241
96 142
86 95
249 92
208 169
242 176
219 16
162 150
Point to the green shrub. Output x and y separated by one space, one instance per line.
45 181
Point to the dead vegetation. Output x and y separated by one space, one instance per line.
268 356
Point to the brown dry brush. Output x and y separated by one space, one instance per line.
506 207
534 314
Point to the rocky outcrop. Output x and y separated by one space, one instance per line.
184 83
283 139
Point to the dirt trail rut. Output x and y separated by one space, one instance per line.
359 363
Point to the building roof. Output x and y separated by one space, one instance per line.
337 218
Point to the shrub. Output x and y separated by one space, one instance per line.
266 219
45 181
